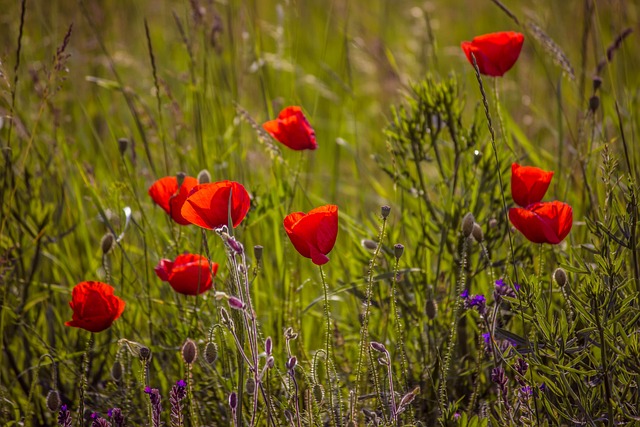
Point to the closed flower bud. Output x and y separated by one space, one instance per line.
594 103
597 82
431 308
145 353
235 245
180 176
467 224
369 244
189 351
116 371
107 243
210 353
477 233
204 177
250 386
270 362
291 363
384 211
123 143
236 303
398 250
233 400
318 393
53 400
257 252
268 346
493 223
560 276
378 346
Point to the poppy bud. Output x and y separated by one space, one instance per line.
189 351
268 346
116 371
257 252
493 223
560 276
53 400
236 303
204 177
107 242
318 393
477 233
180 176
597 82
210 352
467 224
385 210
398 250
594 103
270 362
378 346
368 244
431 308
144 353
291 363
233 400
250 386
123 143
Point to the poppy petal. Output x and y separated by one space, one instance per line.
495 53
529 184
165 194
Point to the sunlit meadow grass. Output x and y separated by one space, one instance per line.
100 99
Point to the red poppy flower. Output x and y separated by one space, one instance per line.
313 234
495 53
292 129
94 306
209 205
547 222
189 274
165 194
529 184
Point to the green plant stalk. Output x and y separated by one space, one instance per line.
329 350
364 329
442 390
605 363
404 375
192 409
83 379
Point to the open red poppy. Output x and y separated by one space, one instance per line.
94 306
292 129
313 234
189 274
529 184
544 222
495 53
165 194
209 205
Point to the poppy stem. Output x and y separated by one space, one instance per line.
83 379
329 347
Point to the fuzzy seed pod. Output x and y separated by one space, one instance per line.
233 400
210 353
378 346
189 351
268 346
53 400
204 177
123 143
257 252
560 276
398 250
116 371
477 233
107 243
236 303
431 308
145 353
250 386
384 211
318 393
467 224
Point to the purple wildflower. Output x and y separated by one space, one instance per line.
486 337
116 415
64 417
465 294
502 289
176 395
156 405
